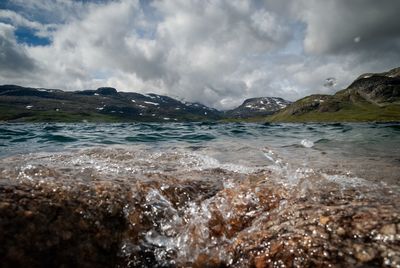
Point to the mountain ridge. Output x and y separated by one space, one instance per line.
19 103
260 106
371 97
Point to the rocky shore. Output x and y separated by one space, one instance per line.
57 218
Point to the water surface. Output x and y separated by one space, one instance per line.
201 194
368 150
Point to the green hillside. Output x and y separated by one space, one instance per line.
371 97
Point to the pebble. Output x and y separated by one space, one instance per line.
4 205
389 229
28 214
256 223
324 220
340 231
364 253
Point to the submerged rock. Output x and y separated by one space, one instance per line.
60 213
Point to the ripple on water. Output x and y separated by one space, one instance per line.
146 138
57 138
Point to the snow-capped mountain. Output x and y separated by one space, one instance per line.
258 107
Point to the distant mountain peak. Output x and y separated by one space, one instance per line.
258 107
106 103
107 91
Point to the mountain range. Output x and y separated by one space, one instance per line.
371 97
107 104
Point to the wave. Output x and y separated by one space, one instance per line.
57 138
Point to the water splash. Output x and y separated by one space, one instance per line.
307 143
179 208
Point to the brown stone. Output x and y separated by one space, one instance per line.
4 205
204 260
363 253
275 248
324 220
66 235
260 261
28 214
340 231
389 229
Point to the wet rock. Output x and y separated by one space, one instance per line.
275 248
340 231
4 205
324 220
28 214
204 260
364 253
388 229
189 219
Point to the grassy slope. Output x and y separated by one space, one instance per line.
9 113
361 101
18 114
344 106
360 112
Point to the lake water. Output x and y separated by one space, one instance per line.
371 151
207 194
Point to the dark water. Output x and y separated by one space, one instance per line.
212 195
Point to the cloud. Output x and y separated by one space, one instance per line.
17 20
209 41
217 52
330 82
51 11
192 50
341 26
14 59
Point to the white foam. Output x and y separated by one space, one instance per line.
195 161
346 180
307 143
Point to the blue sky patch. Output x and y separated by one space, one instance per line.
27 36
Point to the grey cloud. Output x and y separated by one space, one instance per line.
208 41
13 57
194 50
330 82
341 26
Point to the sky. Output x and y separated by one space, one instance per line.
216 52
